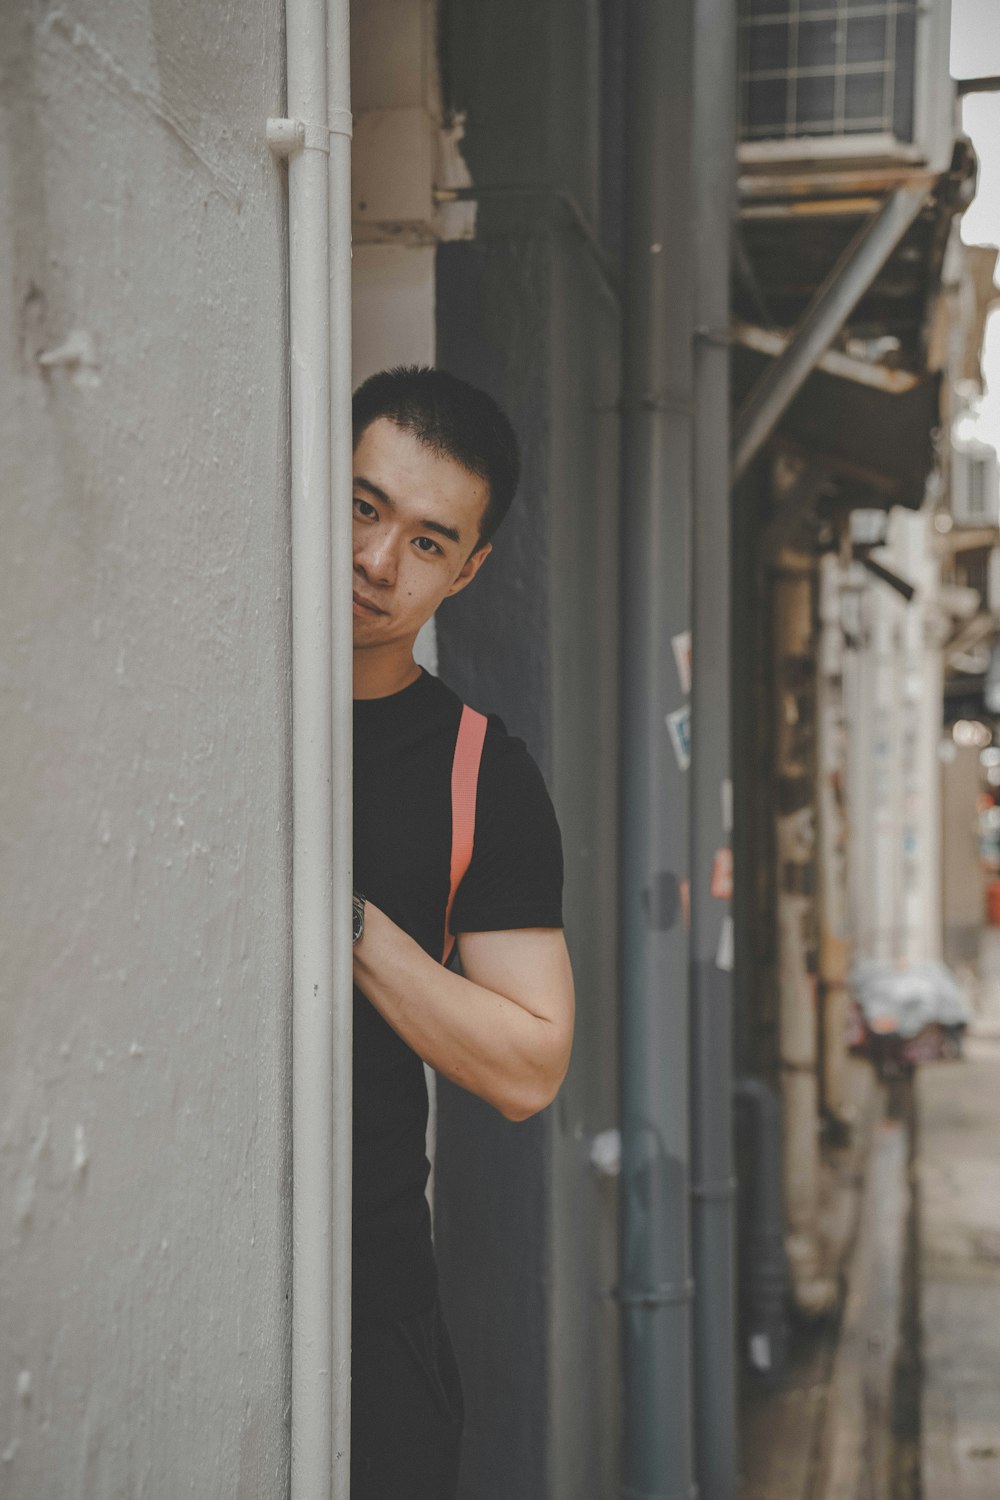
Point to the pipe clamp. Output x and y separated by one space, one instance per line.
285 137
718 1191
665 1294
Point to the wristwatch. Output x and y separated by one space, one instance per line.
359 916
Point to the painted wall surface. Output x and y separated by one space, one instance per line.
526 1232
144 799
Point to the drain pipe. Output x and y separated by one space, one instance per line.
713 158
655 1281
338 52
315 137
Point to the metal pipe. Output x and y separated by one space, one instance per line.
822 320
315 138
655 1284
338 54
713 153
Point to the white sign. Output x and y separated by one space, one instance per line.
682 656
679 724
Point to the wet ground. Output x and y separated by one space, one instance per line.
958 1195
898 1397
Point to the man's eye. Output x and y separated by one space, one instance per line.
365 508
426 545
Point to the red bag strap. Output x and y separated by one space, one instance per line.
464 786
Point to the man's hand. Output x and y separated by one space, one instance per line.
502 1029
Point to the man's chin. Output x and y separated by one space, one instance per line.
366 627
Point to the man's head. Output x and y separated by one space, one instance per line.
454 420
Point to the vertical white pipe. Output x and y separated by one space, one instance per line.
342 676
321 750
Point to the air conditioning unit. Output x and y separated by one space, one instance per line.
843 82
975 484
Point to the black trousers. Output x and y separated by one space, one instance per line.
406 1411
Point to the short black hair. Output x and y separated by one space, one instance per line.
454 419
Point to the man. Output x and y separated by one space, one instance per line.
436 465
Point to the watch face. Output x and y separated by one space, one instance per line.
359 917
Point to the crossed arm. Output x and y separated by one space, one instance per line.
502 1029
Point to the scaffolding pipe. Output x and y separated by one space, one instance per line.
655 1283
315 137
713 155
823 319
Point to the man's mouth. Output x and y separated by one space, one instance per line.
364 607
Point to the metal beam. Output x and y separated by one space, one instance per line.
822 320
845 366
989 85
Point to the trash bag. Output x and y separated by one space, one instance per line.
905 998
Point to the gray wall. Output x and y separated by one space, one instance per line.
526 1234
144 804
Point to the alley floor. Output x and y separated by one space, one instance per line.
958 1181
898 1398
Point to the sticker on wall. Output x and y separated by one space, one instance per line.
724 952
679 724
722 875
682 656
727 806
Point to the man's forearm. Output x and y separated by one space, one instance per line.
507 1051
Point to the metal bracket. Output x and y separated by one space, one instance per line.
665 1294
286 136
720 1191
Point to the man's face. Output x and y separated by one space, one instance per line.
416 521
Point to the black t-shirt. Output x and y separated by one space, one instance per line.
403 751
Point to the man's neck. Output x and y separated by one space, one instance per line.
379 676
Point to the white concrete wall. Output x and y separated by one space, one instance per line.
144 797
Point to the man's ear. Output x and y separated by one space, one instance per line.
470 568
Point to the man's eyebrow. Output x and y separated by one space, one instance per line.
451 532
373 490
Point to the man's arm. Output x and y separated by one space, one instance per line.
503 1029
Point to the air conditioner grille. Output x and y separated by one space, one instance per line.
826 68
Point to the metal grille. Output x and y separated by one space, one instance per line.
826 68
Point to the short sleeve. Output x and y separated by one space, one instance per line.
515 876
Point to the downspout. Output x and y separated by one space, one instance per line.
713 163
338 53
315 137
655 1283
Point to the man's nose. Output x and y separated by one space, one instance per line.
376 558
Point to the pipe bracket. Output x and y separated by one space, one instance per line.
666 1294
715 1192
720 337
678 402
628 1493
285 137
